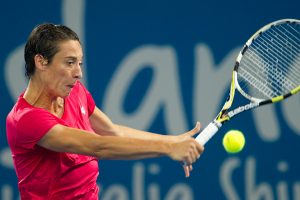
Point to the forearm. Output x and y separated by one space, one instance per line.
111 147
65 139
134 133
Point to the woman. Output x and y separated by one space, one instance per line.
57 134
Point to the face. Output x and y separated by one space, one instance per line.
65 69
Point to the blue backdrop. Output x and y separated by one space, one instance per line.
161 66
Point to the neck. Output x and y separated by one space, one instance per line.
37 96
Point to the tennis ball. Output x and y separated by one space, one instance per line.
233 141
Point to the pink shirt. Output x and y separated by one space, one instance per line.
45 174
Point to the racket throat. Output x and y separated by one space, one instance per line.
242 109
222 118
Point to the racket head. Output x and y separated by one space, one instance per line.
267 69
264 72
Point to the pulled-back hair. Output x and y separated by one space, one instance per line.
44 40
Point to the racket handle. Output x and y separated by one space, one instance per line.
207 133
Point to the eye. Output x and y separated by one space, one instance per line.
70 63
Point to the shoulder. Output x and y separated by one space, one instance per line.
35 117
22 110
26 125
24 114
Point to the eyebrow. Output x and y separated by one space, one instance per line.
73 57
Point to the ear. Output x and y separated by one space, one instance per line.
40 62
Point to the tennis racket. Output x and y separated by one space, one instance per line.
267 70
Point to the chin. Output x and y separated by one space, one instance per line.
65 95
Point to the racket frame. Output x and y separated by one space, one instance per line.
224 115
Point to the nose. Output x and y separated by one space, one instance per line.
77 72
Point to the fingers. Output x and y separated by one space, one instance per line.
195 130
192 152
196 152
187 150
196 149
191 157
187 169
199 148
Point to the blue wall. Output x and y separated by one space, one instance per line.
161 66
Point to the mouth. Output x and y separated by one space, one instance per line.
71 86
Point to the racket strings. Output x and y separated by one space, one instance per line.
275 50
276 72
271 65
257 77
292 48
261 86
295 67
264 84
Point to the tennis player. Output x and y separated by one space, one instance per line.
57 134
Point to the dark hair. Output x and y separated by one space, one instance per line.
44 40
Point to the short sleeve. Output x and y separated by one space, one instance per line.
32 126
91 103
90 100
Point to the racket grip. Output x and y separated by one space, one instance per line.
207 133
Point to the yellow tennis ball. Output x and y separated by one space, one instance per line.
233 141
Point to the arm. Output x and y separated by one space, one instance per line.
102 125
64 139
